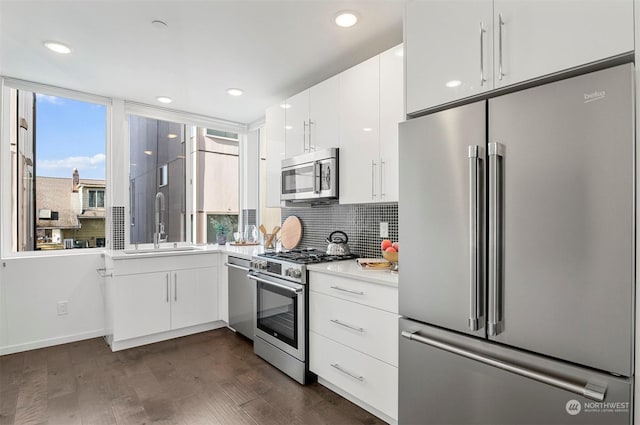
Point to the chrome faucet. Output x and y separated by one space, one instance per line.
158 234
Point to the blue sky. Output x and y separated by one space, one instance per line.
70 134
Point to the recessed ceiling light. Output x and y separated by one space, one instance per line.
57 47
346 18
285 105
367 129
171 136
288 127
160 25
453 83
164 99
235 92
148 152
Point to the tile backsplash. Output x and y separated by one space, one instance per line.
361 223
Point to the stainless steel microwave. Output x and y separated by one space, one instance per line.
311 177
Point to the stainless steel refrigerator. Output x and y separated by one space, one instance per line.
517 223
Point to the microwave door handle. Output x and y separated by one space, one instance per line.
317 175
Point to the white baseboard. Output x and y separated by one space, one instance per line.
10 349
163 336
357 401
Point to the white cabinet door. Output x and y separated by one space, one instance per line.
542 37
141 305
444 46
360 133
368 379
297 124
194 297
275 151
324 115
391 113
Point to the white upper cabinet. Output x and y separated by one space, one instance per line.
543 37
357 111
360 133
312 119
391 114
324 115
448 47
297 124
460 48
275 152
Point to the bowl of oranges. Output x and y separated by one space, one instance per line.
390 252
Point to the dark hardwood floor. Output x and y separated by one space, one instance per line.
208 378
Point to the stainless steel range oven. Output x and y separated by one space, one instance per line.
282 313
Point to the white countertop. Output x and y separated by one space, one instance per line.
347 268
237 251
351 269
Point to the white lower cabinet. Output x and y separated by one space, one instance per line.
194 297
353 339
150 296
370 380
141 305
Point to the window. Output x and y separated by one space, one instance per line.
96 198
56 147
157 203
217 183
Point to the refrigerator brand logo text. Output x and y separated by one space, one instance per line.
596 95
573 407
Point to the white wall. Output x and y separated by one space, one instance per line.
30 289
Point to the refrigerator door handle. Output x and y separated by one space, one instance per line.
494 319
474 240
586 389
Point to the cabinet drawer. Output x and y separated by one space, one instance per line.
368 379
363 328
371 294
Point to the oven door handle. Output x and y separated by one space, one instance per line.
277 285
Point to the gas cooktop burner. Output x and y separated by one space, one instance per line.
306 256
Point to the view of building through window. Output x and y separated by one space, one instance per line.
157 183
58 174
217 188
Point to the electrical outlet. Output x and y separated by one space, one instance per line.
63 308
384 229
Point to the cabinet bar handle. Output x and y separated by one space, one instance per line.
482 31
167 287
382 185
500 25
310 122
346 325
304 136
351 291
346 372
175 286
373 178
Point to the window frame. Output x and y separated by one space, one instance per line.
96 206
190 121
6 224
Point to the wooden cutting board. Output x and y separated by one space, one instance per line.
291 232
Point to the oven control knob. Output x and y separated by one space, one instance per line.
295 273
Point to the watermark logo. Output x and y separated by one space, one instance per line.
573 407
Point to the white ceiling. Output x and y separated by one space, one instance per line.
271 48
